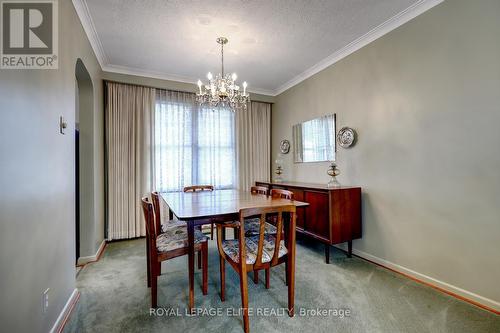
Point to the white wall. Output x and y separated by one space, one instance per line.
425 100
37 181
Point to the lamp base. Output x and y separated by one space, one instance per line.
333 183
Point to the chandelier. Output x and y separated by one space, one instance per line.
222 91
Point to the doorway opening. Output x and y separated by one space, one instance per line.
84 153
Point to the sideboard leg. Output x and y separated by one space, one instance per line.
349 248
327 253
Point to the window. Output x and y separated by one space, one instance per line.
193 145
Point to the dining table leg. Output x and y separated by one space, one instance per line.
190 229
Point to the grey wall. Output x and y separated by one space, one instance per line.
172 85
425 100
37 181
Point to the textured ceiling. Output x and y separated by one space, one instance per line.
270 41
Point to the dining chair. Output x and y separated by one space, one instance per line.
252 225
161 223
199 188
246 254
259 190
161 226
170 244
280 193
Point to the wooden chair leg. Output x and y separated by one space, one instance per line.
199 259
212 231
244 299
256 276
148 263
222 265
204 253
291 288
154 284
268 278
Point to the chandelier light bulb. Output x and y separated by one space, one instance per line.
245 87
209 76
234 76
199 85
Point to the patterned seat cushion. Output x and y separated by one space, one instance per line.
176 237
171 224
231 249
252 227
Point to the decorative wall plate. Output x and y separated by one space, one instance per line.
284 146
346 137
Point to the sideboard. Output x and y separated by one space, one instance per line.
333 215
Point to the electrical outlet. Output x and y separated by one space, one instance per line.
45 300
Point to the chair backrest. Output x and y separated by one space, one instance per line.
155 197
147 209
262 213
197 188
282 194
258 190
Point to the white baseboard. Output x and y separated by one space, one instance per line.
466 295
86 260
64 315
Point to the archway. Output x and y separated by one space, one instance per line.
84 156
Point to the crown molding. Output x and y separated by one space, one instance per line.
169 77
394 22
147 73
82 10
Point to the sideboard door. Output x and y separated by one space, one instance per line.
317 219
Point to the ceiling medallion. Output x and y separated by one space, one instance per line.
222 90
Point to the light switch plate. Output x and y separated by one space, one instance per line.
62 125
45 300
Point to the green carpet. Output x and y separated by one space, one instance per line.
115 298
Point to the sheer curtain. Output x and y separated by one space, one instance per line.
193 145
129 140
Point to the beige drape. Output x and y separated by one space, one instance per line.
253 139
129 143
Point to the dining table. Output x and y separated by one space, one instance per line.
219 206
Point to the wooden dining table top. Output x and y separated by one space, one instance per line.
205 204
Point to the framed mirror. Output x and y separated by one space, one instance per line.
314 140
